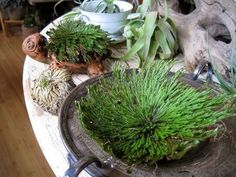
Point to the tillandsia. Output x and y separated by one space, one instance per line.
75 41
228 83
148 115
51 88
150 34
103 6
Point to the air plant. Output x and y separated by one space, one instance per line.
150 34
148 115
107 6
11 3
51 88
103 6
228 83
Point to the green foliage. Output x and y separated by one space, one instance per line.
107 6
146 116
74 41
228 84
29 21
150 35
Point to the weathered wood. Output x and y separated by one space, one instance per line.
210 26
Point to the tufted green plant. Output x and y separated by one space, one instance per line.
75 41
146 116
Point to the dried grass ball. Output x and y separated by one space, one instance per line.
51 88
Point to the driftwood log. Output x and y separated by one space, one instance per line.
204 25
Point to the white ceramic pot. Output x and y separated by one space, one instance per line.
113 23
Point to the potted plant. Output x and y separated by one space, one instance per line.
138 120
110 15
159 121
14 8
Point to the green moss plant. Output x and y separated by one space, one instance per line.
146 116
75 41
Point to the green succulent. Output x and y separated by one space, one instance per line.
148 115
150 35
75 41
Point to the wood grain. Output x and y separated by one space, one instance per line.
20 155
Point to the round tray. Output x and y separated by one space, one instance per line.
212 159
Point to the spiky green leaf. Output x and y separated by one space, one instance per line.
146 116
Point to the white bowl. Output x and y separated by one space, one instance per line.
113 23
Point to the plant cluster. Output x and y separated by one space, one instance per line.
75 41
146 116
150 35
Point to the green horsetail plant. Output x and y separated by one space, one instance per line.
146 116
150 35
75 41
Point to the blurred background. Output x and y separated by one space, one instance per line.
20 154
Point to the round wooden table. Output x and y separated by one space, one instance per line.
45 125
